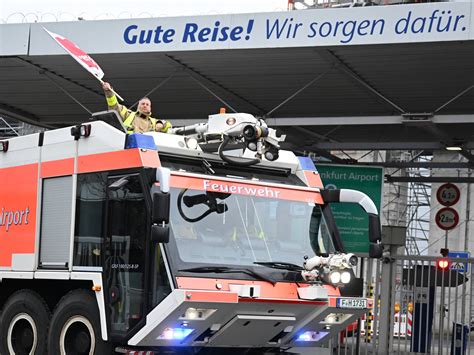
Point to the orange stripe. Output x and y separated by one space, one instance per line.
57 168
216 297
150 158
313 179
122 159
281 290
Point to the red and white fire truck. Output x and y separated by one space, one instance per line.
206 239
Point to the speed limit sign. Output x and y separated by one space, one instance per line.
448 194
447 218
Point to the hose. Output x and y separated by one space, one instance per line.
230 160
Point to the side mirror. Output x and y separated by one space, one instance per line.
161 208
163 176
375 250
364 201
160 233
375 231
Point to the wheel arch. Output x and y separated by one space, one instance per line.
52 290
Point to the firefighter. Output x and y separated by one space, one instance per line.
139 121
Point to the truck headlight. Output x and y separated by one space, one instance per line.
335 277
345 277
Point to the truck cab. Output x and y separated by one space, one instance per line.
210 238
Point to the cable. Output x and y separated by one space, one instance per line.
230 160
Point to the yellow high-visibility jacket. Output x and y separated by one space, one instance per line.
128 116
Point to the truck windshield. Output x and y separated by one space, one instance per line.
228 228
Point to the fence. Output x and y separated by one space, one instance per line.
305 4
422 305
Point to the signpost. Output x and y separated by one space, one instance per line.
459 266
448 194
351 220
447 218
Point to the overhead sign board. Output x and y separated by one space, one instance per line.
447 218
459 266
448 194
351 219
431 22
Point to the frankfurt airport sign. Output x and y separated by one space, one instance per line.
351 220
446 21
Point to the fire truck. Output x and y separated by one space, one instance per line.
206 239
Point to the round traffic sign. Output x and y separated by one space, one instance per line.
448 194
447 218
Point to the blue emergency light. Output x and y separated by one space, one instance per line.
138 140
307 163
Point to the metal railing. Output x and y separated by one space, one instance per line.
11 128
311 4
428 308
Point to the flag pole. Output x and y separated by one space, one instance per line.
84 59
115 92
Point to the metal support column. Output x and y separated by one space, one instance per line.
394 238
387 293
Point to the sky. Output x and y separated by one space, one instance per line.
20 11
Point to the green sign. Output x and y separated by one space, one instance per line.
351 219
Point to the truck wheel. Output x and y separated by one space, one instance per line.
24 324
75 326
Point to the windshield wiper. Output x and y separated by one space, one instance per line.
281 265
229 270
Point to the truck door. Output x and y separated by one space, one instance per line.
126 251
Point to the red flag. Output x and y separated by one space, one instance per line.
78 54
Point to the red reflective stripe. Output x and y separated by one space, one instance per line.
57 168
281 290
216 297
313 179
123 159
129 158
248 189
150 158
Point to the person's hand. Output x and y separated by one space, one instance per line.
106 86
159 126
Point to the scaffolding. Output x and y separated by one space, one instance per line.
418 210
9 129
408 204
12 128
405 204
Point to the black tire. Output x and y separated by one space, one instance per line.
24 324
75 326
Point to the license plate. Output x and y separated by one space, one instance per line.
353 303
